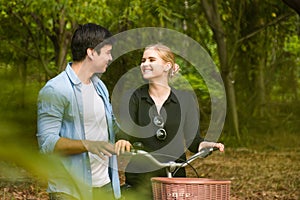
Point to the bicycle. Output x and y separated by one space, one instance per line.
171 188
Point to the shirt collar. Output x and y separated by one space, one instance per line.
74 78
72 75
145 95
172 97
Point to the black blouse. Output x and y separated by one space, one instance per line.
180 114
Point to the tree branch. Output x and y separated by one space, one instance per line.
49 72
277 20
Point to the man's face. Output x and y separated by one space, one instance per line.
103 59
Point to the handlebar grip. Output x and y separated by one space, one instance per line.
137 146
207 152
203 153
215 149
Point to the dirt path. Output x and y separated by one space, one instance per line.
254 175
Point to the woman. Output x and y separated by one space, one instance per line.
168 118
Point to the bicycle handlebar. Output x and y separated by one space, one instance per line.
171 165
201 154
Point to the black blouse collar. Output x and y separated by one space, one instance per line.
145 95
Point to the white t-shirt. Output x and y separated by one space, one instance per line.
95 126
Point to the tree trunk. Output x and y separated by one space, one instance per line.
214 20
231 103
23 76
63 38
259 104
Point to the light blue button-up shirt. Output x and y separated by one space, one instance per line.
60 114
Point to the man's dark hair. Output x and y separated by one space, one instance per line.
88 36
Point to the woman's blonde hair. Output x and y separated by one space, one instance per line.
166 55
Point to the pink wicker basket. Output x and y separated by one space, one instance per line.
190 188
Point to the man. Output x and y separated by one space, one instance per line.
75 121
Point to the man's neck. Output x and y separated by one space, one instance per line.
81 69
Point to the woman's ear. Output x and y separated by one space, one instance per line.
168 67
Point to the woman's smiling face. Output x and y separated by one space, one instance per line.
152 65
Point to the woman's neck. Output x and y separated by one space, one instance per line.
158 90
159 93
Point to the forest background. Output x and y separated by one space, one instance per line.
254 44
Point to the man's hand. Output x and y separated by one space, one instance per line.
99 148
122 146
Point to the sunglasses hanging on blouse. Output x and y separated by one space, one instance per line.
161 133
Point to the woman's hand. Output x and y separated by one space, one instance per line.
206 144
122 146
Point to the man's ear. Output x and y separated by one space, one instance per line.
90 53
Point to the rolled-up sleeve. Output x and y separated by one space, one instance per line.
49 118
